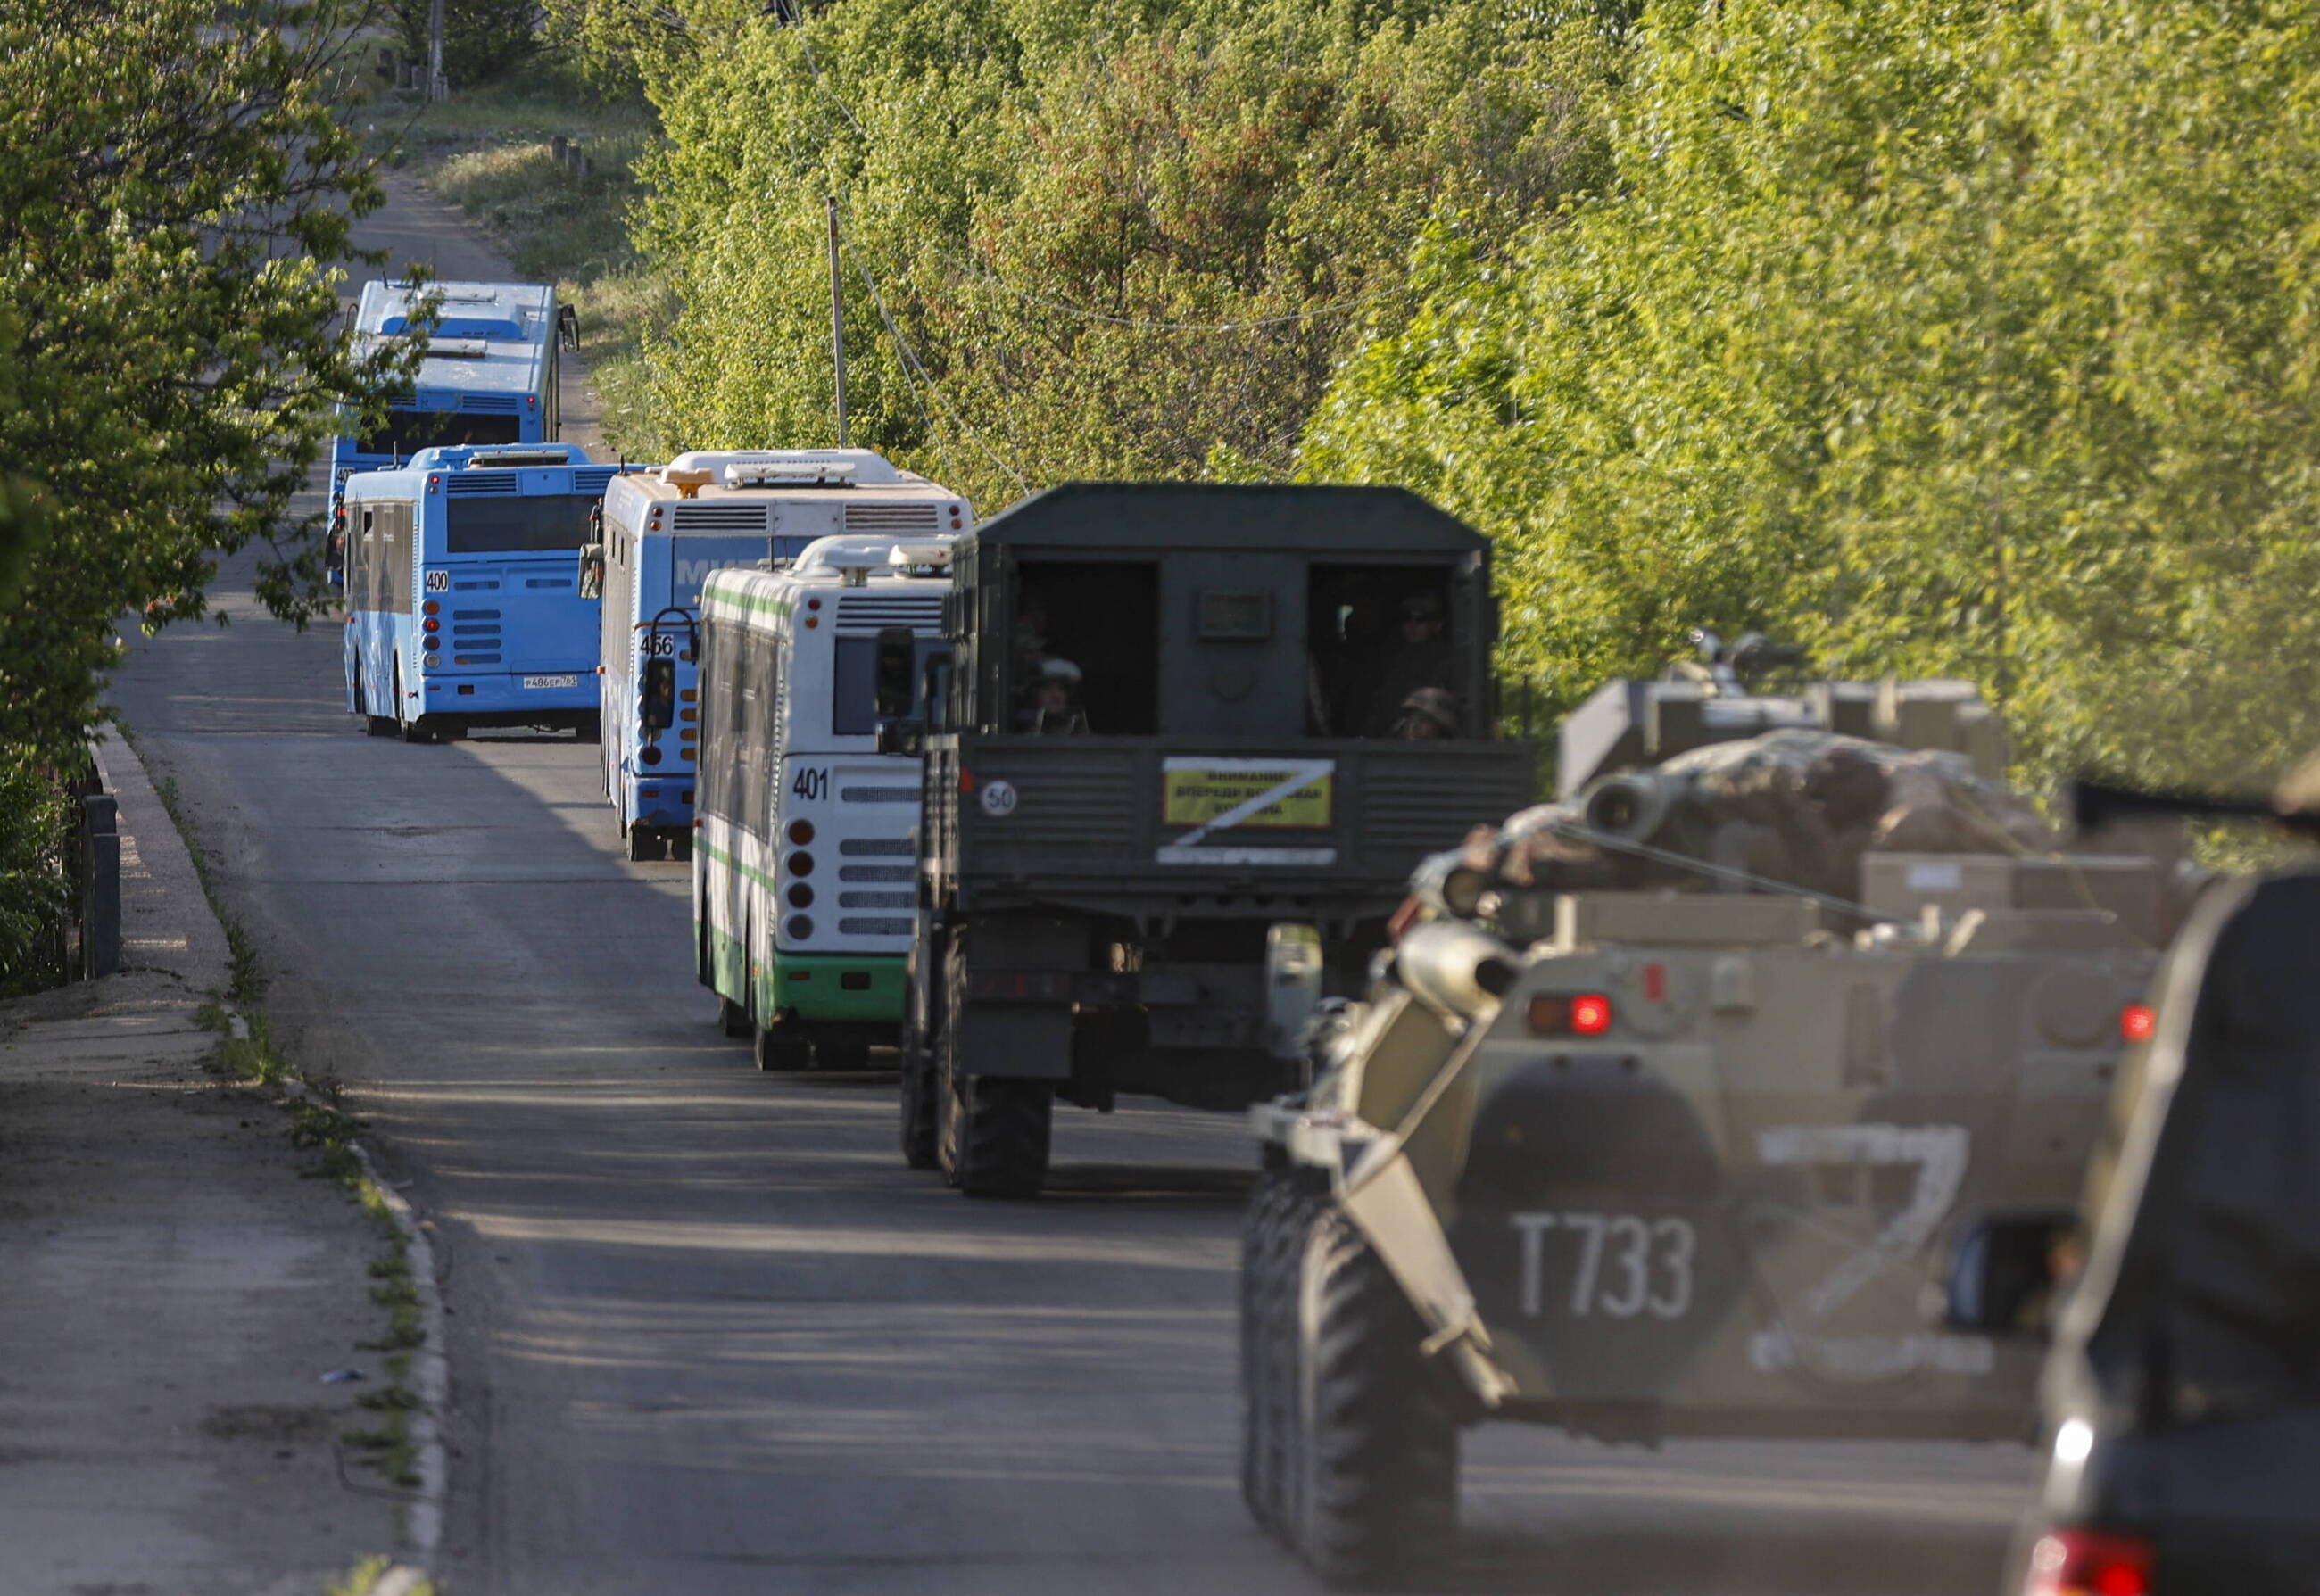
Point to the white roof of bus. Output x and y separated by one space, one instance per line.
868 470
459 361
744 593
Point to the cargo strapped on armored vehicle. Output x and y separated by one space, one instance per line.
1672 1089
1190 742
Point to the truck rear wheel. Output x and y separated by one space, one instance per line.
994 1132
734 1019
646 843
782 1047
918 1085
1377 1452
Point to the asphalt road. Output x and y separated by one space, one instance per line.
710 1336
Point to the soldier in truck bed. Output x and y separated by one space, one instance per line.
1422 658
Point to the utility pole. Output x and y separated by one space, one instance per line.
439 87
836 316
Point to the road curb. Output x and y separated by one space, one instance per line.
431 1369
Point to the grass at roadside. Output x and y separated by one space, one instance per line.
320 1123
489 151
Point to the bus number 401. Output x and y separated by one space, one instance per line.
811 785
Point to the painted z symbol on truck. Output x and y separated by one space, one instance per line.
1193 783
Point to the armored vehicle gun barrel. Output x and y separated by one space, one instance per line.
2095 804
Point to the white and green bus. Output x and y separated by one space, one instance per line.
804 895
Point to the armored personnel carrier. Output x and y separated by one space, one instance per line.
1661 1110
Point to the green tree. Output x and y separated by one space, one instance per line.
174 194
1969 337
482 39
1129 239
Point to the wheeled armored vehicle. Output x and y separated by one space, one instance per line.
1671 1093
1174 782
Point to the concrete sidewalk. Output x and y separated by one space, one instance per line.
172 1287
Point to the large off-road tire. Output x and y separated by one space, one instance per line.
1279 1210
734 1019
784 1047
918 1085
1377 1448
839 1050
994 1132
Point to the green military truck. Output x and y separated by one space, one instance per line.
1173 785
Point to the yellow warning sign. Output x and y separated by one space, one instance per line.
1215 795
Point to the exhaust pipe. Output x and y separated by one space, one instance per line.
1455 970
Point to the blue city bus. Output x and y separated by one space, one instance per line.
465 604
665 530
489 378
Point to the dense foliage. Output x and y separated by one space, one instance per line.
1123 240
482 39
1964 336
174 192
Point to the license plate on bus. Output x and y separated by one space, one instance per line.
551 681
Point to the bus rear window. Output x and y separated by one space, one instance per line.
878 677
515 525
407 432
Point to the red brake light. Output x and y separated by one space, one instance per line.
2088 1562
430 608
1552 1014
966 779
2136 1022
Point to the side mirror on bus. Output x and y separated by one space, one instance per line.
2007 1270
656 696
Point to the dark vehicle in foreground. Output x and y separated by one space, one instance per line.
1659 1119
2182 1400
1173 791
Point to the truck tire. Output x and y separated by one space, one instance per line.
1279 1210
645 843
1377 1448
994 1132
734 1019
783 1049
841 1051
918 1085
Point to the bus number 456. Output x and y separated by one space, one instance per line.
1622 1265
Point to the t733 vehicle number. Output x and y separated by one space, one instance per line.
1616 1265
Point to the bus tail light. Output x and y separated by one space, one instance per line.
2136 1022
430 608
801 832
432 624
